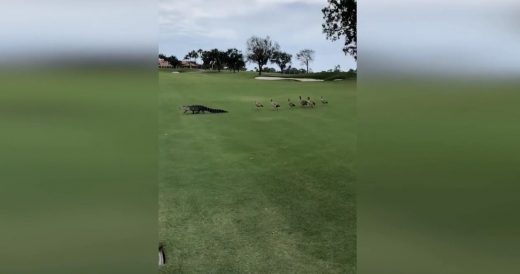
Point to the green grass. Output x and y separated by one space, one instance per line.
256 191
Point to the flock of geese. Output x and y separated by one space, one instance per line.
302 102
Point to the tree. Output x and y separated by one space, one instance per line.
337 68
268 69
218 58
282 59
199 53
260 51
305 56
191 55
207 61
173 61
341 20
235 59
214 59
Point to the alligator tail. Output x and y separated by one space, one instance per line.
215 110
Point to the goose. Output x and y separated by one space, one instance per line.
303 103
323 101
275 105
291 104
258 105
311 103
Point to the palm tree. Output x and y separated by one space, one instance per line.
200 51
192 54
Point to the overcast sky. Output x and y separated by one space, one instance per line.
442 37
294 24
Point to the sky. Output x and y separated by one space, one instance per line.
206 24
440 37
39 30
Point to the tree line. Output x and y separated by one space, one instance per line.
213 59
260 51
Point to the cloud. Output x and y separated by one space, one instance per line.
191 17
478 38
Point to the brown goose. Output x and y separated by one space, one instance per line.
303 103
275 105
258 105
323 101
311 103
291 104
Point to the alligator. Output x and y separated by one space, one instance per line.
196 109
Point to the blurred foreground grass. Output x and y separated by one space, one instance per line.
78 171
438 177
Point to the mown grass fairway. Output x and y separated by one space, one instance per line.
256 191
